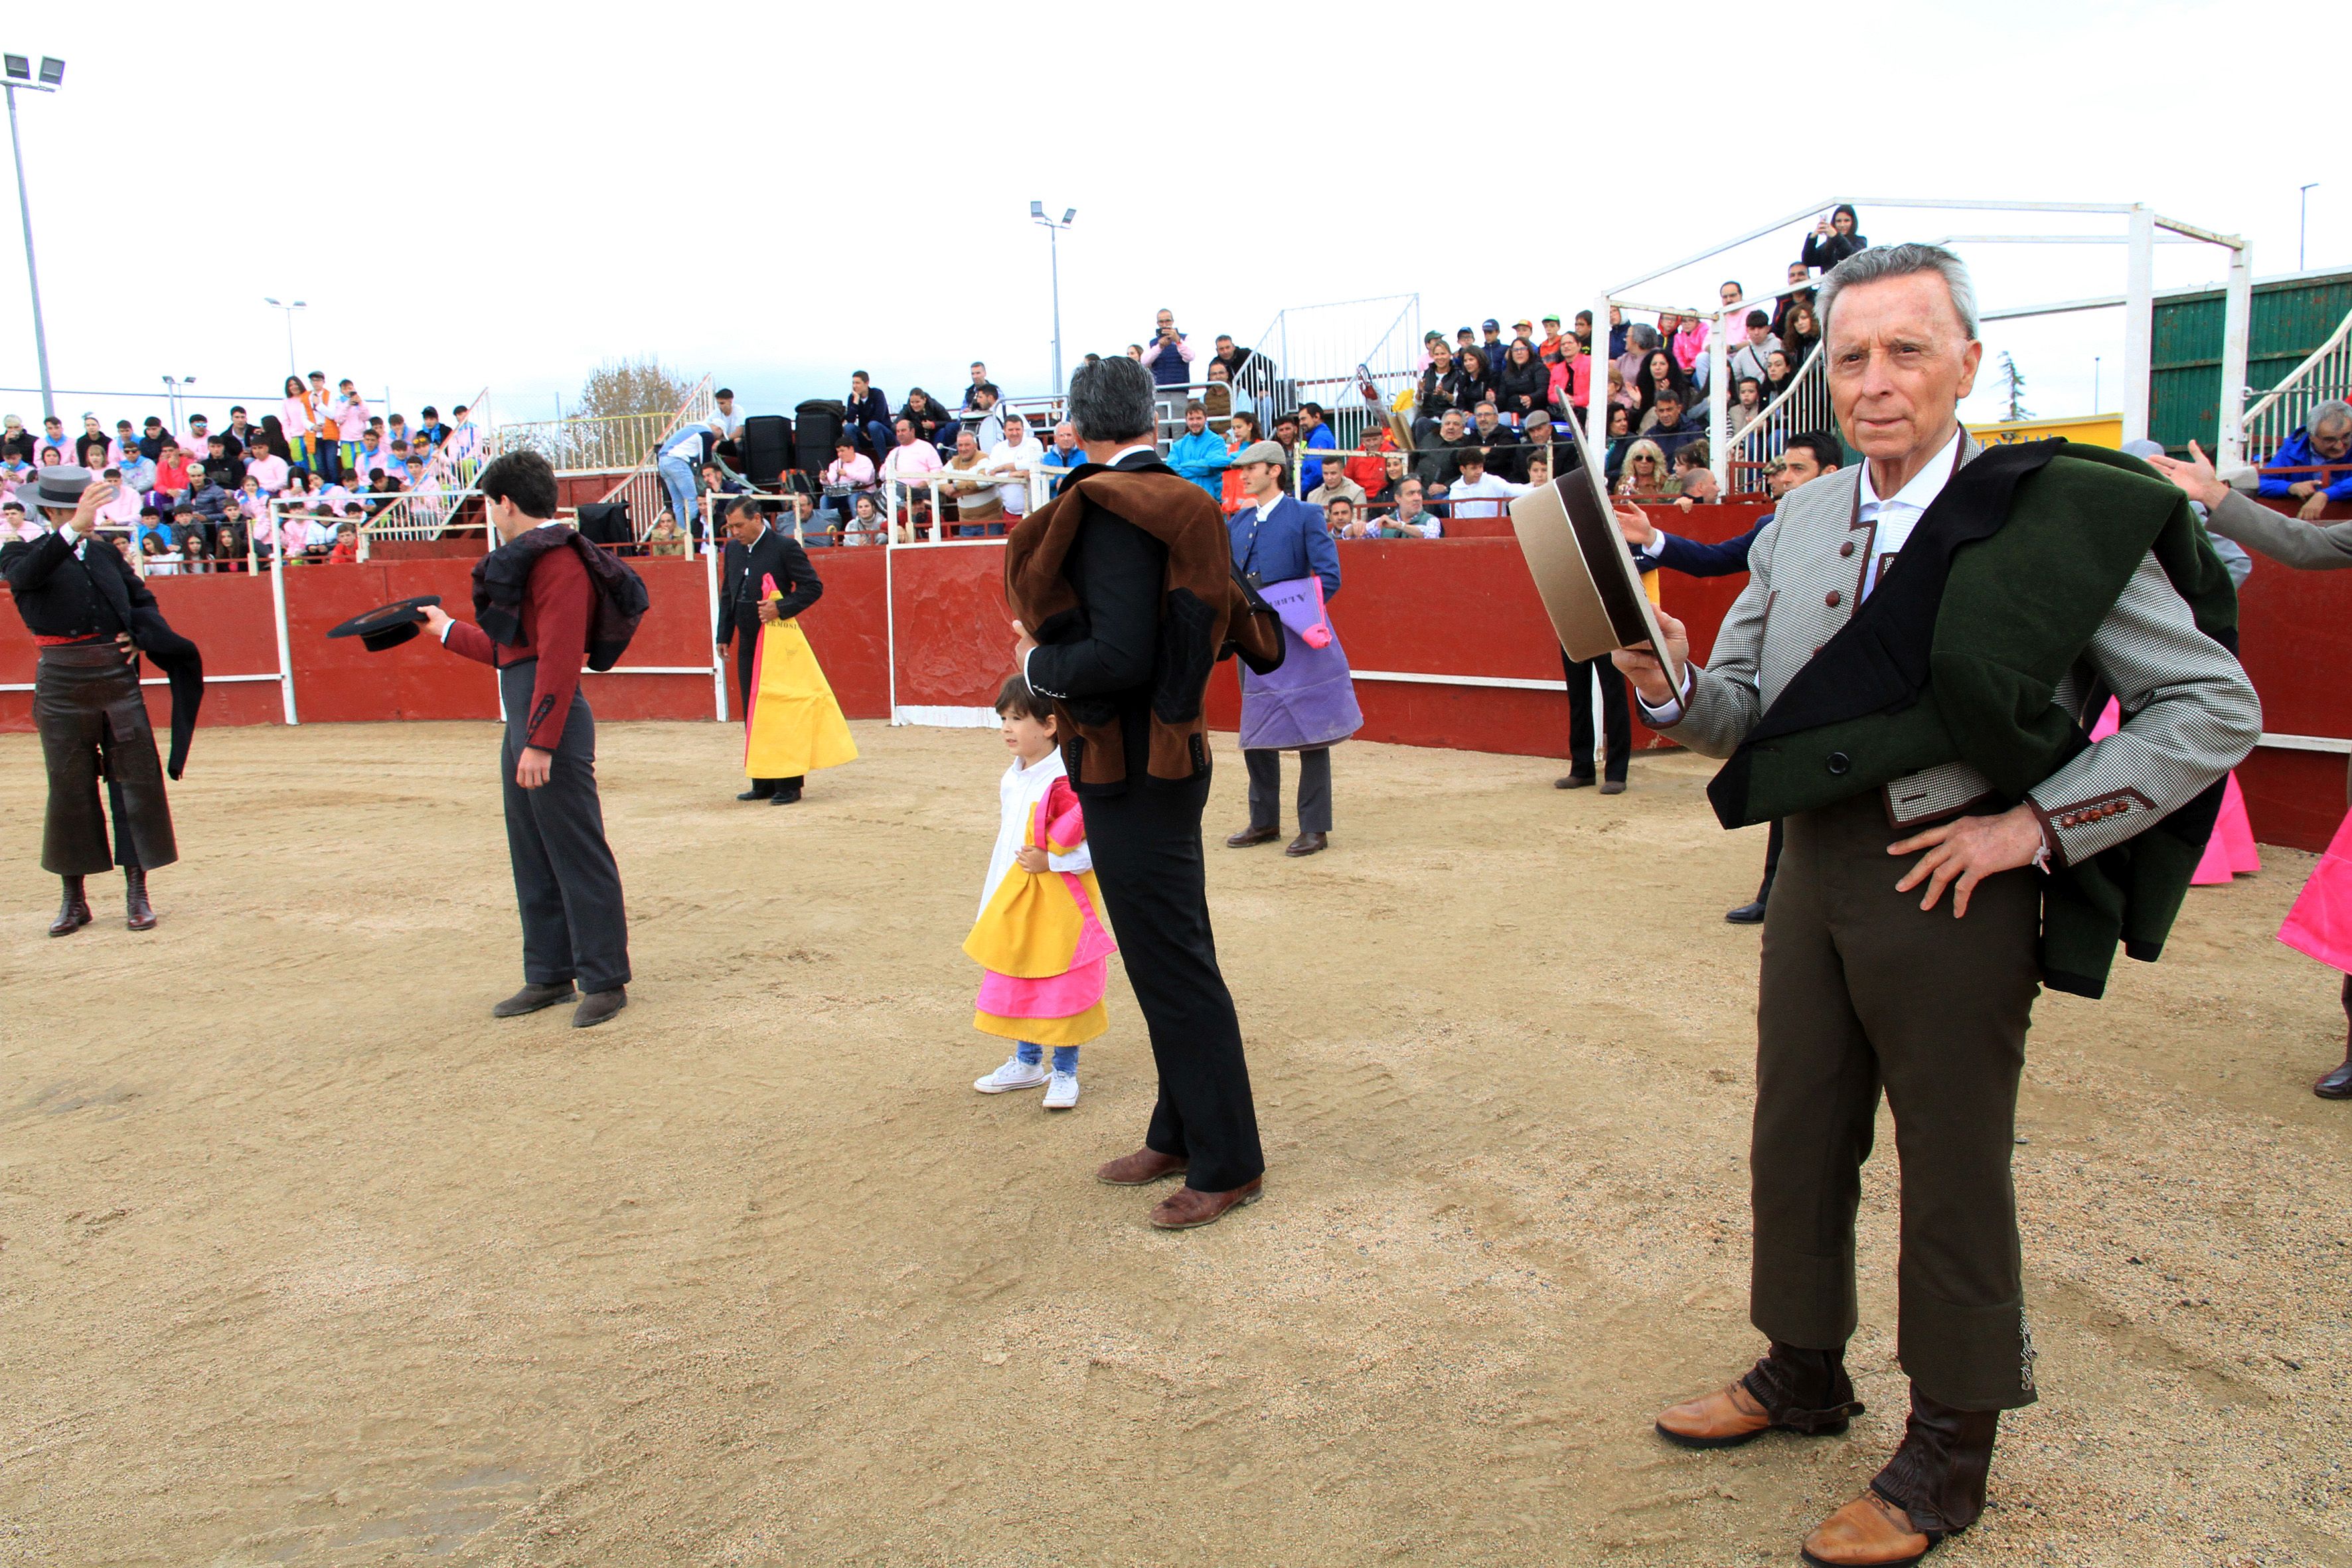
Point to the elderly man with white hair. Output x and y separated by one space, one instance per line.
1914 659
2312 465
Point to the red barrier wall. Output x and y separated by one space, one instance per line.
1459 606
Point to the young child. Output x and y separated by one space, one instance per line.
1040 934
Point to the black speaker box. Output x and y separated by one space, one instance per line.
606 523
767 448
812 435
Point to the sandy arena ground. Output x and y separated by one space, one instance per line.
304 1260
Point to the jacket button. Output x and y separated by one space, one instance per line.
1839 763
1846 548
1835 599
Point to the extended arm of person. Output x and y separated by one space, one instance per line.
1720 703
2314 547
1120 568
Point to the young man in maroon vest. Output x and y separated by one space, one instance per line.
575 926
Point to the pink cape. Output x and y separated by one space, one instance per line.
2320 924
2230 850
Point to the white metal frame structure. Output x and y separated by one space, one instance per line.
2141 224
2326 372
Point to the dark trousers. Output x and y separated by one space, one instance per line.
567 884
1146 852
1863 991
1313 789
93 724
1616 719
747 649
1772 844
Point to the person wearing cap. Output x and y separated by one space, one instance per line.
81 600
541 597
1306 706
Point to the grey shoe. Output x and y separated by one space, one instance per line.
532 999
595 1007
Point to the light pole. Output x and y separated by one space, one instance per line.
171 386
2095 383
19 74
2302 213
1054 251
291 368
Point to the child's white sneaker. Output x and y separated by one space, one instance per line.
1016 1074
1063 1092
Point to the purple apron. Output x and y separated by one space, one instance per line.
1310 701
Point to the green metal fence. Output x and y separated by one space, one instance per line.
2289 318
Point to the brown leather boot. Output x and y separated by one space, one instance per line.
1802 1391
74 912
137 913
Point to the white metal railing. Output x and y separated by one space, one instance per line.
2326 373
642 487
587 445
1802 406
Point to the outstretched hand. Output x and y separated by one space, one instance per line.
1634 524
1640 664
2195 478
1965 851
1022 643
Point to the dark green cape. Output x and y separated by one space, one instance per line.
1957 654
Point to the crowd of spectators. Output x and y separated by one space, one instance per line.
200 499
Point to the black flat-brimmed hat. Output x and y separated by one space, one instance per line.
387 625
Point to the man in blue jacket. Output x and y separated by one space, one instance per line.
2321 445
1318 438
1809 456
1278 538
1199 455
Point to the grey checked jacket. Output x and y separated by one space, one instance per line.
2190 714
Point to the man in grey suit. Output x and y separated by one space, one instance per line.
2310 546
1867 983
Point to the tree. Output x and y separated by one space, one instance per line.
620 386
2012 387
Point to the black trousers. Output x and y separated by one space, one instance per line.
567 884
1616 719
1862 993
93 724
747 649
1147 851
1772 843
1313 789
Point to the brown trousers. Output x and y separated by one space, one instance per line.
93 723
1861 991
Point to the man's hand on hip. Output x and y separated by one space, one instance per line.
1640 666
532 771
1964 852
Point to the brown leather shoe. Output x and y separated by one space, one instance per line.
1141 1168
1724 1419
532 999
1187 1208
1612 786
73 913
137 913
1868 1532
2336 1084
1308 844
1249 835
1573 781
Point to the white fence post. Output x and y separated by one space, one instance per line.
2139 322
2237 314
1718 404
718 660
285 641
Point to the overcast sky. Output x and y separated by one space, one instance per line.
505 194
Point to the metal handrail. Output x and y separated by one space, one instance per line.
2295 380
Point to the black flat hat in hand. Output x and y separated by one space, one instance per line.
387 625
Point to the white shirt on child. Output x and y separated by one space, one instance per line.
1017 797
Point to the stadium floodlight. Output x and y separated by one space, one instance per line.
19 75
1054 251
289 309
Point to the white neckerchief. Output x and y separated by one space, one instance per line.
1896 516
